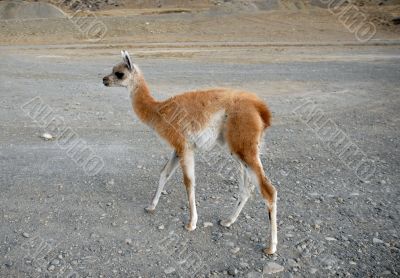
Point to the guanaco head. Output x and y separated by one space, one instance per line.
123 74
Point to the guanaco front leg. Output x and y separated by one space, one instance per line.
165 175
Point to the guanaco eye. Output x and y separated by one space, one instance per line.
119 75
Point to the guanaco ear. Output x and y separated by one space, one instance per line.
126 59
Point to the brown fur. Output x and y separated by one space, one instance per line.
247 116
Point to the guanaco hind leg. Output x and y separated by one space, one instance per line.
187 164
244 192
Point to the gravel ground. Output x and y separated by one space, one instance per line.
335 220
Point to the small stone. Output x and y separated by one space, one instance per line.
111 182
128 241
109 204
208 224
161 227
253 238
313 270
292 263
55 262
113 224
93 235
164 192
330 238
377 240
46 136
8 263
272 267
235 250
232 271
284 173
169 270
25 235
318 222
316 226
328 261
51 268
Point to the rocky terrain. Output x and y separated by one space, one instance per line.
338 210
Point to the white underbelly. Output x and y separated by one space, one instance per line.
208 136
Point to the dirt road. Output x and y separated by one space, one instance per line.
73 206
336 218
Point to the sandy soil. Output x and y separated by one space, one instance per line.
195 24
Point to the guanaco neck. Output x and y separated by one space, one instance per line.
143 103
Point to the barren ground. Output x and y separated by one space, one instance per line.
334 220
